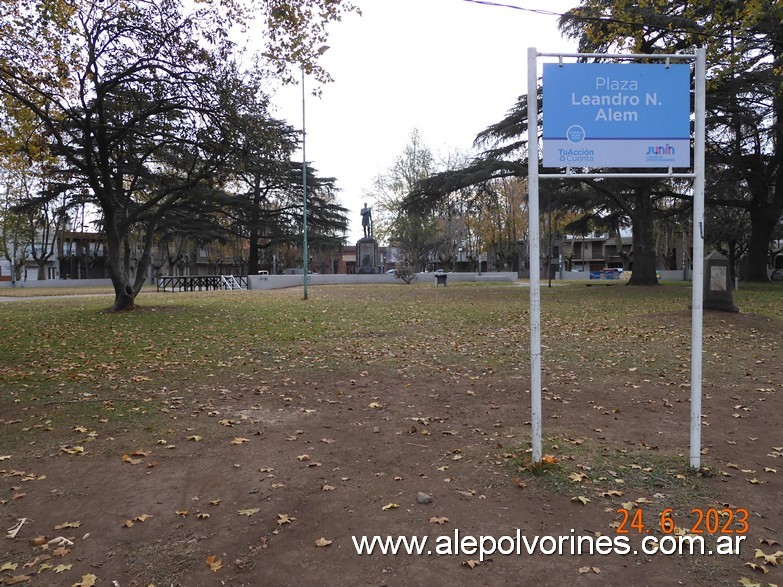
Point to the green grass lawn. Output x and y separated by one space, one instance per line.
39 292
66 359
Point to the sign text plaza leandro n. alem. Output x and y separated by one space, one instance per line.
616 115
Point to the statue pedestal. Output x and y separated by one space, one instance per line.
367 255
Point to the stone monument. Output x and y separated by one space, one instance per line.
718 286
367 247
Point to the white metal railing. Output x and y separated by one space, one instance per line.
229 282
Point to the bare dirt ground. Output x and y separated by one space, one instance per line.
267 481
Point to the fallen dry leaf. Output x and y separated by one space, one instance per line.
249 511
770 559
37 560
471 563
390 506
87 581
284 519
321 542
67 525
328 487
240 440
756 567
16 579
214 563
583 570
581 499
440 521
72 450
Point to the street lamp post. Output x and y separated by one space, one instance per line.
304 191
305 252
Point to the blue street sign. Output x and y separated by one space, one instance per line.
616 115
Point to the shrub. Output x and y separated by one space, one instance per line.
405 273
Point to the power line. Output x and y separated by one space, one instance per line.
586 18
501 5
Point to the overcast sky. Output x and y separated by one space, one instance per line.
448 68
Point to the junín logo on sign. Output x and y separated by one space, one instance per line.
661 153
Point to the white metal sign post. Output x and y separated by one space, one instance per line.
632 115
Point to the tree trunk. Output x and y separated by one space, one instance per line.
124 300
252 255
732 256
643 241
124 296
762 223
255 218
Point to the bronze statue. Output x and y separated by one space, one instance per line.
367 220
